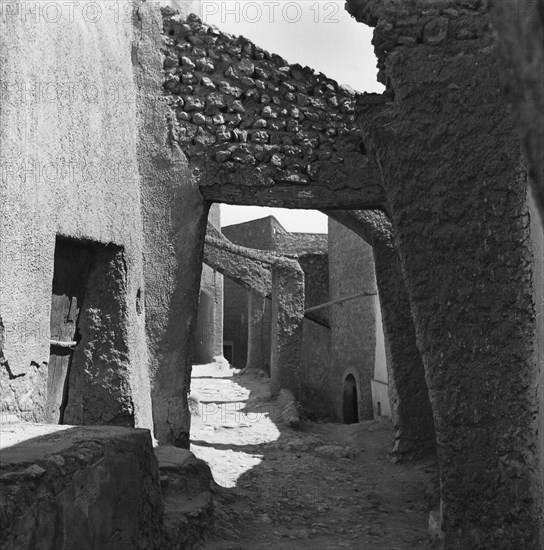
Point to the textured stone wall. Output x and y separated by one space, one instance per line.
310 249
253 234
316 273
353 323
98 391
244 115
458 207
268 234
258 332
314 393
235 327
537 238
243 265
86 487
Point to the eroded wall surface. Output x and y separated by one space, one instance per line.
521 36
65 487
244 115
174 226
537 238
68 151
458 207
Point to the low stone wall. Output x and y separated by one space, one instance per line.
90 488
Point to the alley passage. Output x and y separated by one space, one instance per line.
321 487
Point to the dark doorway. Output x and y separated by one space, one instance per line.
228 351
350 406
71 270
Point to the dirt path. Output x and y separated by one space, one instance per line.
322 487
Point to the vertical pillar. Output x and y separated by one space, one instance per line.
458 207
255 331
287 321
219 313
411 412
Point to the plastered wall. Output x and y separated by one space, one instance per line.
68 154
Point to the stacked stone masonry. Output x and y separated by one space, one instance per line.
265 124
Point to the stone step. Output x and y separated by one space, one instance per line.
186 483
187 520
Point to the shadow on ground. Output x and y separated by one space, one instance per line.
320 487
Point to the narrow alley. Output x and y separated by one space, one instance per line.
320 486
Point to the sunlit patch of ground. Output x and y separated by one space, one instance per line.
321 487
232 419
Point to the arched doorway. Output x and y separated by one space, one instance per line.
204 340
350 403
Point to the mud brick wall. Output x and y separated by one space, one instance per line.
457 194
254 234
260 120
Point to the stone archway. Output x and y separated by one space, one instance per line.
457 204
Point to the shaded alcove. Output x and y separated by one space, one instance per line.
350 401
89 361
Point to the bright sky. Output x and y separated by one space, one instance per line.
317 33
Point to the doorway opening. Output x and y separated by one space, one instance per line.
72 263
89 363
228 351
350 406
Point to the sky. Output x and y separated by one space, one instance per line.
317 33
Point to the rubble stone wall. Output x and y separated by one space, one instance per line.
65 487
244 115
